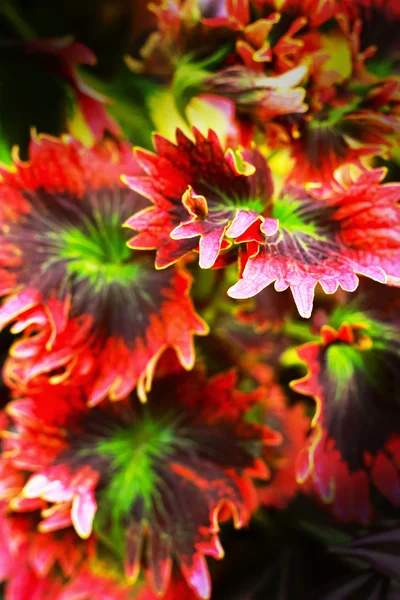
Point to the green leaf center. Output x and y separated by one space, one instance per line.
342 362
99 253
288 211
132 455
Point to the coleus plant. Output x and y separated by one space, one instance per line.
158 392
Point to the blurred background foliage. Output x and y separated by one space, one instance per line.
283 554
31 95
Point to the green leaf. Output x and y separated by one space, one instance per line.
190 76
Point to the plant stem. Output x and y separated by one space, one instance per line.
299 331
14 17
